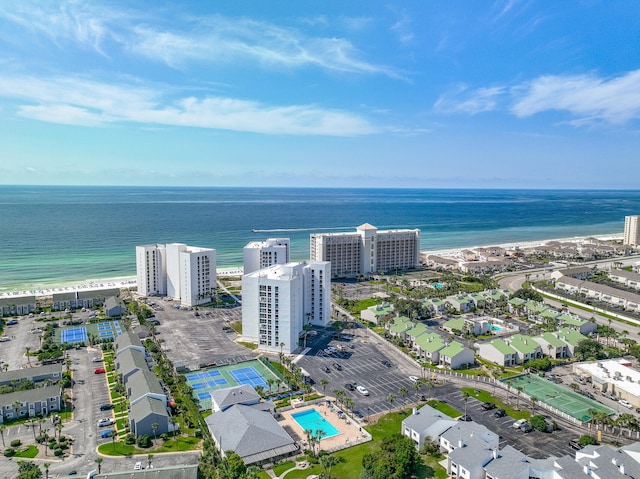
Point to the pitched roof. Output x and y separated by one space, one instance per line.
523 344
509 463
226 397
127 338
28 373
187 471
129 360
453 349
147 406
501 346
431 342
143 382
30 395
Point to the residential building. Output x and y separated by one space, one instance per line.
616 376
498 352
279 301
149 416
553 346
427 347
600 292
631 230
469 458
114 307
627 278
455 356
223 399
378 313
463 431
367 251
49 372
129 361
399 326
262 254
526 348
184 273
426 424
39 401
17 305
81 299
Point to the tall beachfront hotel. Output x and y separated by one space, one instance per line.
631 230
184 273
262 254
367 250
278 301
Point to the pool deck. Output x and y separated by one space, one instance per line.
350 432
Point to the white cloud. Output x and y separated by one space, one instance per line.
90 103
586 97
469 102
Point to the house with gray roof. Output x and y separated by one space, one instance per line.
17 305
606 462
51 372
508 463
462 431
129 361
426 424
128 340
223 399
113 307
253 434
145 413
468 459
144 383
185 471
33 402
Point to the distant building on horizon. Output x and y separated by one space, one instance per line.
184 273
262 254
277 303
366 251
631 230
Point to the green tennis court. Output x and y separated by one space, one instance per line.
561 398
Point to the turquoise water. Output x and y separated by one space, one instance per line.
60 234
493 327
314 421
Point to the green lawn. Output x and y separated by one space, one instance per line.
28 452
444 408
284 466
180 443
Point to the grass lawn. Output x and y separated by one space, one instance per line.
444 408
285 466
180 443
317 469
486 396
28 452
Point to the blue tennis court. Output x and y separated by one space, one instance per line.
248 376
74 335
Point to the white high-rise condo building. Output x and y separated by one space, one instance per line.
632 230
262 254
367 250
151 270
279 301
184 273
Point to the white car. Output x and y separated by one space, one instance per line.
519 423
626 403
362 390
5 338
138 466
96 360
414 379
107 421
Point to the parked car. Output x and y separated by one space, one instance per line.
137 466
575 445
488 406
99 371
362 390
414 379
499 413
106 407
386 363
97 359
72 473
107 421
465 418
337 367
626 403
350 386
518 424
526 427
326 369
106 433
4 339
11 322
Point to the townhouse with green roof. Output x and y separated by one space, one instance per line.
495 297
498 352
581 325
525 347
436 305
428 346
552 346
399 326
415 331
378 313
516 305
455 356
533 310
473 325
463 302
570 336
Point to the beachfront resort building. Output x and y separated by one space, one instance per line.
631 230
262 254
367 251
184 273
279 301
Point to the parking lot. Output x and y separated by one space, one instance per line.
360 361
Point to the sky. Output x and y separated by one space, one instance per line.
301 93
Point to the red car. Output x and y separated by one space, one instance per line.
99 371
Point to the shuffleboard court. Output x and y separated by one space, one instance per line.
558 397
253 373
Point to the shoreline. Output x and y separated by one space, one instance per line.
130 281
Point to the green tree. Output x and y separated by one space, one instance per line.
588 349
28 470
46 466
397 458
2 429
323 383
327 462
99 463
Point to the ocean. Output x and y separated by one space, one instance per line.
52 235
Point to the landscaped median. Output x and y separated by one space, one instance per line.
171 444
119 401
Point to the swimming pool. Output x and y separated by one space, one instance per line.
313 420
493 327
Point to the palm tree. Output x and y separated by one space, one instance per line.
46 469
16 405
319 435
174 422
403 392
270 383
113 435
27 350
417 385
154 428
2 429
534 400
327 462
519 389
149 458
391 398
465 397
323 383
309 434
99 463
58 427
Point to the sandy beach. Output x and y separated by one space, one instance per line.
130 281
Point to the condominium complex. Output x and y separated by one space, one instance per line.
262 254
632 230
278 301
367 250
182 272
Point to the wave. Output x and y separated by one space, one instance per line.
293 230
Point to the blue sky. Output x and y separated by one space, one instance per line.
508 94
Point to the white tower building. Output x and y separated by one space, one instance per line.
368 250
186 273
262 254
151 270
279 300
632 230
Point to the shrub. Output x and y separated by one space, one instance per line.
16 443
58 452
164 436
130 440
587 440
144 441
539 423
9 452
